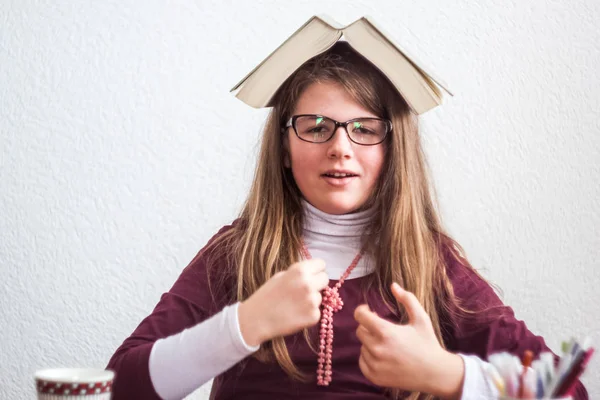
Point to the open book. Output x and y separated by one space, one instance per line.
421 90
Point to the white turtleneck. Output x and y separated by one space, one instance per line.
336 240
181 363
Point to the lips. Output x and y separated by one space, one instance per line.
339 174
339 178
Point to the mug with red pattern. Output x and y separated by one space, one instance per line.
74 383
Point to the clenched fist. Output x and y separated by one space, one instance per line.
287 303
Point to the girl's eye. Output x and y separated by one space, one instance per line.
317 129
364 131
359 127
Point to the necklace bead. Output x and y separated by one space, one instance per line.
332 302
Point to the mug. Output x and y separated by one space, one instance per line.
74 383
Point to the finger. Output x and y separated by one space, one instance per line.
319 281
414 309
364 336
367 318
366 362
313 266
365 367
317 299
277 275
368 356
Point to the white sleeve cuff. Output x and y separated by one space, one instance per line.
237 338
477 384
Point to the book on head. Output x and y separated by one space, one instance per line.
419 87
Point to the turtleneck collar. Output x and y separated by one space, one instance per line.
348 225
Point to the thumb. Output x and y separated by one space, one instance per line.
370 320
414 309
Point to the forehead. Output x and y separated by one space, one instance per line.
332 100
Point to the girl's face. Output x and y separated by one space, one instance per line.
313 164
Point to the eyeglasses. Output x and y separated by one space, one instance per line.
319 129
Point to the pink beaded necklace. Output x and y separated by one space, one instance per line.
332 302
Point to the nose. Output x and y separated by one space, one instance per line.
340 145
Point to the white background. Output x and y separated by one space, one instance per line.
122 151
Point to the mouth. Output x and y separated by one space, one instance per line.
339 174
339 179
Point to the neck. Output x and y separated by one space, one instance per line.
350 225
336 239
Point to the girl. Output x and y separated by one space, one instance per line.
337 281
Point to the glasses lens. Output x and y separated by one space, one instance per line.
367 131
314 128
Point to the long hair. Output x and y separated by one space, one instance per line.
405 232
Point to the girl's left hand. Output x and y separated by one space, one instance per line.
407 357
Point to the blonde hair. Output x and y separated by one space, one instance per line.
405 227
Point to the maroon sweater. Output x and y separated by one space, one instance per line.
494 329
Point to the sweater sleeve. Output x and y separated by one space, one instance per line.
181 363
488 326
194 297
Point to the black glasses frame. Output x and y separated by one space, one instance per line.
292 124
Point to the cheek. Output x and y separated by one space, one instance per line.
302 153
304 161
373 162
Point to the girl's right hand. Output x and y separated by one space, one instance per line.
287 303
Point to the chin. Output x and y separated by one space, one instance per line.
340 206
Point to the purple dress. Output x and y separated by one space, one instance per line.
189 303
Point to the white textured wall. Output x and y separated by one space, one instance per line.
121 153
